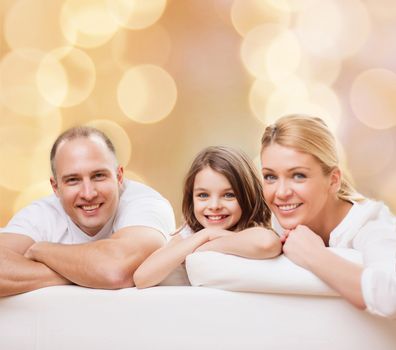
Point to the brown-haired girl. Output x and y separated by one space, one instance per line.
224 211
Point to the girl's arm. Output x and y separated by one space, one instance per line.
253 243
163 261
308 250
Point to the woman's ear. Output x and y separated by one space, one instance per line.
335 180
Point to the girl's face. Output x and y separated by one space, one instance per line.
215 204
295 188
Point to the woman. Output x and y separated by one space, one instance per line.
316 206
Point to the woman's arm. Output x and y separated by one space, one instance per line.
163 261
253 243
305 248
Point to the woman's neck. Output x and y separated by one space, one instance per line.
334 213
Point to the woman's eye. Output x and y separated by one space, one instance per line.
229 195
269 177
299 176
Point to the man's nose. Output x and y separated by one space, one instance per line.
88 190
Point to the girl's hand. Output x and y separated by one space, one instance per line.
300 244
214 233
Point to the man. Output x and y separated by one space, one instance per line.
94 231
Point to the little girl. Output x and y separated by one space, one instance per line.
224 211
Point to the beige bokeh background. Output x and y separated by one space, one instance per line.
166 78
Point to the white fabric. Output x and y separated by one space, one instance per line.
178 277
370 228
277 275
46 220
180 318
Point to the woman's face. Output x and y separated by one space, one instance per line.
295 188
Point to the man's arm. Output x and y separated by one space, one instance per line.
107 263
18 274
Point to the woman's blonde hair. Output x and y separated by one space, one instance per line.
244 180
312 136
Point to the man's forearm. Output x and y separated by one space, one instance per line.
19 275
95 264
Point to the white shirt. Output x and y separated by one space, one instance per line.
46 220
370 228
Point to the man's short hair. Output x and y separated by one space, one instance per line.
77 132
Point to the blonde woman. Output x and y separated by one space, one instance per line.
315 207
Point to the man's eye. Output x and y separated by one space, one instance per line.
99 176
72 180
229 195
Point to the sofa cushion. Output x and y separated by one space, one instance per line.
277 275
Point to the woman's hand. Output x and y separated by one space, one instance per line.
300 243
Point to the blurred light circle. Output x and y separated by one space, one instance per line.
283 57
136 14
66 77
87 23
345 29
320 69
147 93
248 14
118 137
372 98
255 46
294 97
18 86
129 47
365 160
34 23
24 157
387 190
32 193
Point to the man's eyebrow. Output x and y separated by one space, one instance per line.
65 177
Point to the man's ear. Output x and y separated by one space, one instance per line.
54 185
120 174
335 180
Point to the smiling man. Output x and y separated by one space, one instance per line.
95 229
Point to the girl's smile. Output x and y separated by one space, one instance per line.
215 204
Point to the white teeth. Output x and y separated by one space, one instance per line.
216 217
288 207
90 207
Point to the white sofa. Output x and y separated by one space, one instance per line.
185 317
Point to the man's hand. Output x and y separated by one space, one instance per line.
106 263
19 274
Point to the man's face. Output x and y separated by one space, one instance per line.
87 182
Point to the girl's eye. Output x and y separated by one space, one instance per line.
202 195
269 178
229 195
